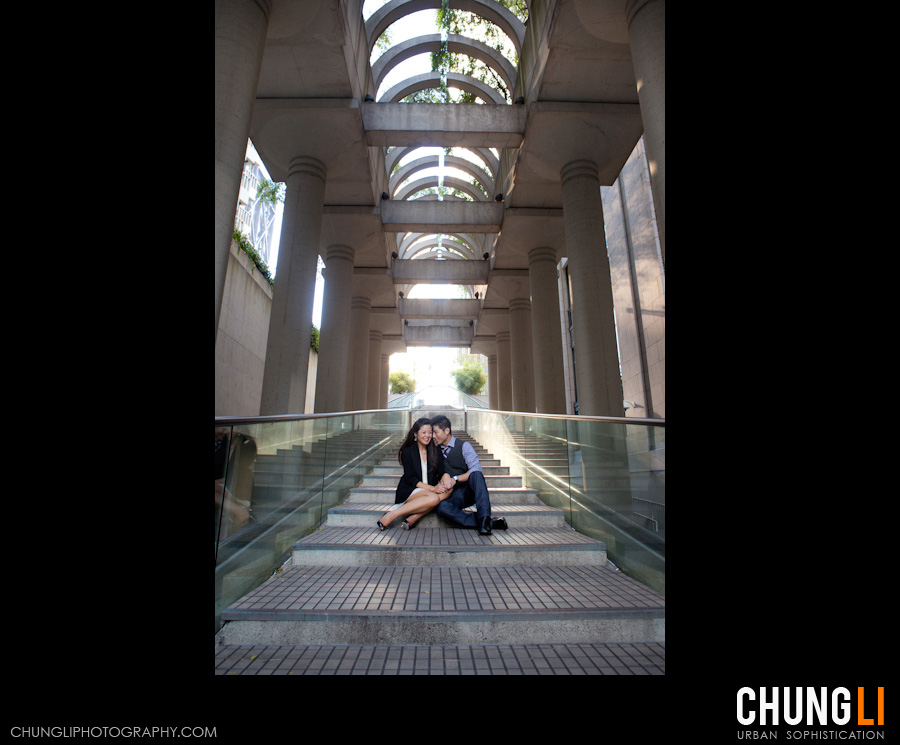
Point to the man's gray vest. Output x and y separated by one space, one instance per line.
455 464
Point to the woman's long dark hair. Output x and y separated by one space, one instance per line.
410 440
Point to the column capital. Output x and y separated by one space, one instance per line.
579 169
502 337
375 335
360 303
339 252
542 253
304 165
519 303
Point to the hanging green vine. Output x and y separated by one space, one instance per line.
245 246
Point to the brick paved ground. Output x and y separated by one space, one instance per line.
646 658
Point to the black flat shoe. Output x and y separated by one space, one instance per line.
406 526
499 523
383 527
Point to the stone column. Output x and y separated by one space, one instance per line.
549 380
596 350
493 388
504 374
373 392
290 324
241 27
647 34
384 381
521 354
334 344
358 360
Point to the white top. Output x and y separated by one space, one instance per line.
424 468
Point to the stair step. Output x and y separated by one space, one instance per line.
492 482
446 605
485 462
447 547
364 515
499 496
593 658
395 471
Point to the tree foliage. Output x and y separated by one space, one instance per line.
270 191
401 382
470 378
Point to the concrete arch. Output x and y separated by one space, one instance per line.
413 242
490 160
464 252
454 80
392 158
487 157
433 161
423 183
478 243
447 254
432 43
408 169
467 166
491 11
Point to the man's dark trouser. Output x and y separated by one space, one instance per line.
474 491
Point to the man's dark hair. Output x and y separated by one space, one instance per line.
441 421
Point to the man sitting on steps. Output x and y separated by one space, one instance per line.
465 477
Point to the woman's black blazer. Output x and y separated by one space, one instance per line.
412 473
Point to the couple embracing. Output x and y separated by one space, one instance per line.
443 472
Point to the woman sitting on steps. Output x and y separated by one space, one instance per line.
419 490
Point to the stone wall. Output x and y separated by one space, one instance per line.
241 341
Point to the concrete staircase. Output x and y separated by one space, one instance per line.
350 586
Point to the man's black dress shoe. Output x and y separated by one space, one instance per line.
498 523
484 526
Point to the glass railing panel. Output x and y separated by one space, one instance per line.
275 471
494 431
384 432
342 452
608 477
616 474
543 459
223 446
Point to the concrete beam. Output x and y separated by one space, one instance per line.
409 271
438 336
438 308
430 216
435 125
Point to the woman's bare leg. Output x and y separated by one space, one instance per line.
411 520
420 501
415 517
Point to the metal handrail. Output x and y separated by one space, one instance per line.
580 417
222 421
225 421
